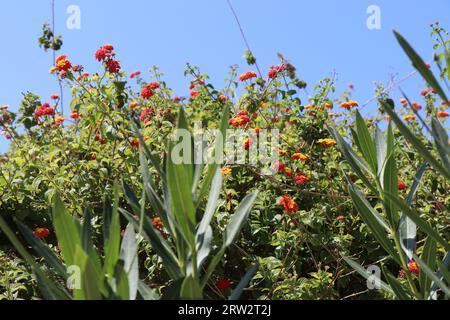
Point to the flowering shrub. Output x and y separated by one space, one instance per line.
306 228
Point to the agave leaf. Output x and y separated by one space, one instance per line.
396 286
368 148
428 256
129 254
237 292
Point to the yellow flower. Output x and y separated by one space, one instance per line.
226 170
327 143
282 152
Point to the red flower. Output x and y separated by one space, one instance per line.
223 97
424 92
401 185
135 143
273 74
113 66
41 233
44 110
442 114
62 64
74 115
248 75
147 93
147 114
416 106
134 74
194 93
101 54
279 166
288 204
154 85
301 179
340 217
54 96
223 284
247 143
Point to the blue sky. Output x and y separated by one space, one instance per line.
319 37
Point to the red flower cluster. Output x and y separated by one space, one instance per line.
279 166
41 233
194 93
44 110
301 179
148 91
442 114
196 83
247 143
275 70
223 284
240 120
54 96
248 75
401 185
106 54
134 74
288 204
147 114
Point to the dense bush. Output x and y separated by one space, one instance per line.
303 228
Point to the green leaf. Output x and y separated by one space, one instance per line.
237 292
67 230
146 292
429 255
190 289
407 228
368 148
357 164
89 281
129 254
238 219
374 221
112 247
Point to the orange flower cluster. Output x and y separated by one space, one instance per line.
41 233
240 120
409 117
248 75
300 156
442 114
301 179
349 104
327 143
288 204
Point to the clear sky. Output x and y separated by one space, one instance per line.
319 37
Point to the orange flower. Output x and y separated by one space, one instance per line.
328 105
287 172
248 75
301 179
353 103
41 233
442 114
327 143
133 104
157 223
413 267
288 204
59 120
403 101
345 105
74 115
299 156
409 117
